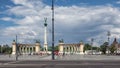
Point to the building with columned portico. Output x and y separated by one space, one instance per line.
25 48
75 48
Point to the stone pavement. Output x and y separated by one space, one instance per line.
88 57
24 57
66 57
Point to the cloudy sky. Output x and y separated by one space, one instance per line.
75 20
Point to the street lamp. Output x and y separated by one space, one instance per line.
92 39
1 48
108 34
16 49
53 30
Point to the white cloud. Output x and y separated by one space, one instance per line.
7 6
29 3
72 23
7 19
118 2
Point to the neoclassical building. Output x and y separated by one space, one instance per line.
117 45
25 48
71 48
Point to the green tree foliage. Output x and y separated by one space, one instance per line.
55 48
112 49
87 47
96 48
5 49
50 48
103 47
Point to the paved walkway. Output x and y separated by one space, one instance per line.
88 57
25 57
66 57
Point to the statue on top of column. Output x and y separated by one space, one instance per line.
61 41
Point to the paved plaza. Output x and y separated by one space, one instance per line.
61 64
65 57
24 57
88 57
67 61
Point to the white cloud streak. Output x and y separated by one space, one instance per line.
72 23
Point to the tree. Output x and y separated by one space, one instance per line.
6 49
112 49
55 48
103 47
87 47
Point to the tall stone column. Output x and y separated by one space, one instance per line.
13 47
45 36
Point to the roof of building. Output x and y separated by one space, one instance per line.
74 44
115 43
26 44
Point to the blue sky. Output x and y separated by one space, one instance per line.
75 20
81 2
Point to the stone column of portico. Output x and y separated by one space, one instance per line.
77 49
74 49
69 49
13 47
37 47
61 47
32 50
20 50
26 50
65 49
29 50
81 48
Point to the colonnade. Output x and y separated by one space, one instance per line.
71 48
27 49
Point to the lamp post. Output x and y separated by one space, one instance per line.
52 30
108 34
1 48
92 39
16 49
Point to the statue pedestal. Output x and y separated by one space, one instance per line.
13 53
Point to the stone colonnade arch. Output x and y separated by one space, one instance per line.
71 48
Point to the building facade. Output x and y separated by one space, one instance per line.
25 48
116 44
71 48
